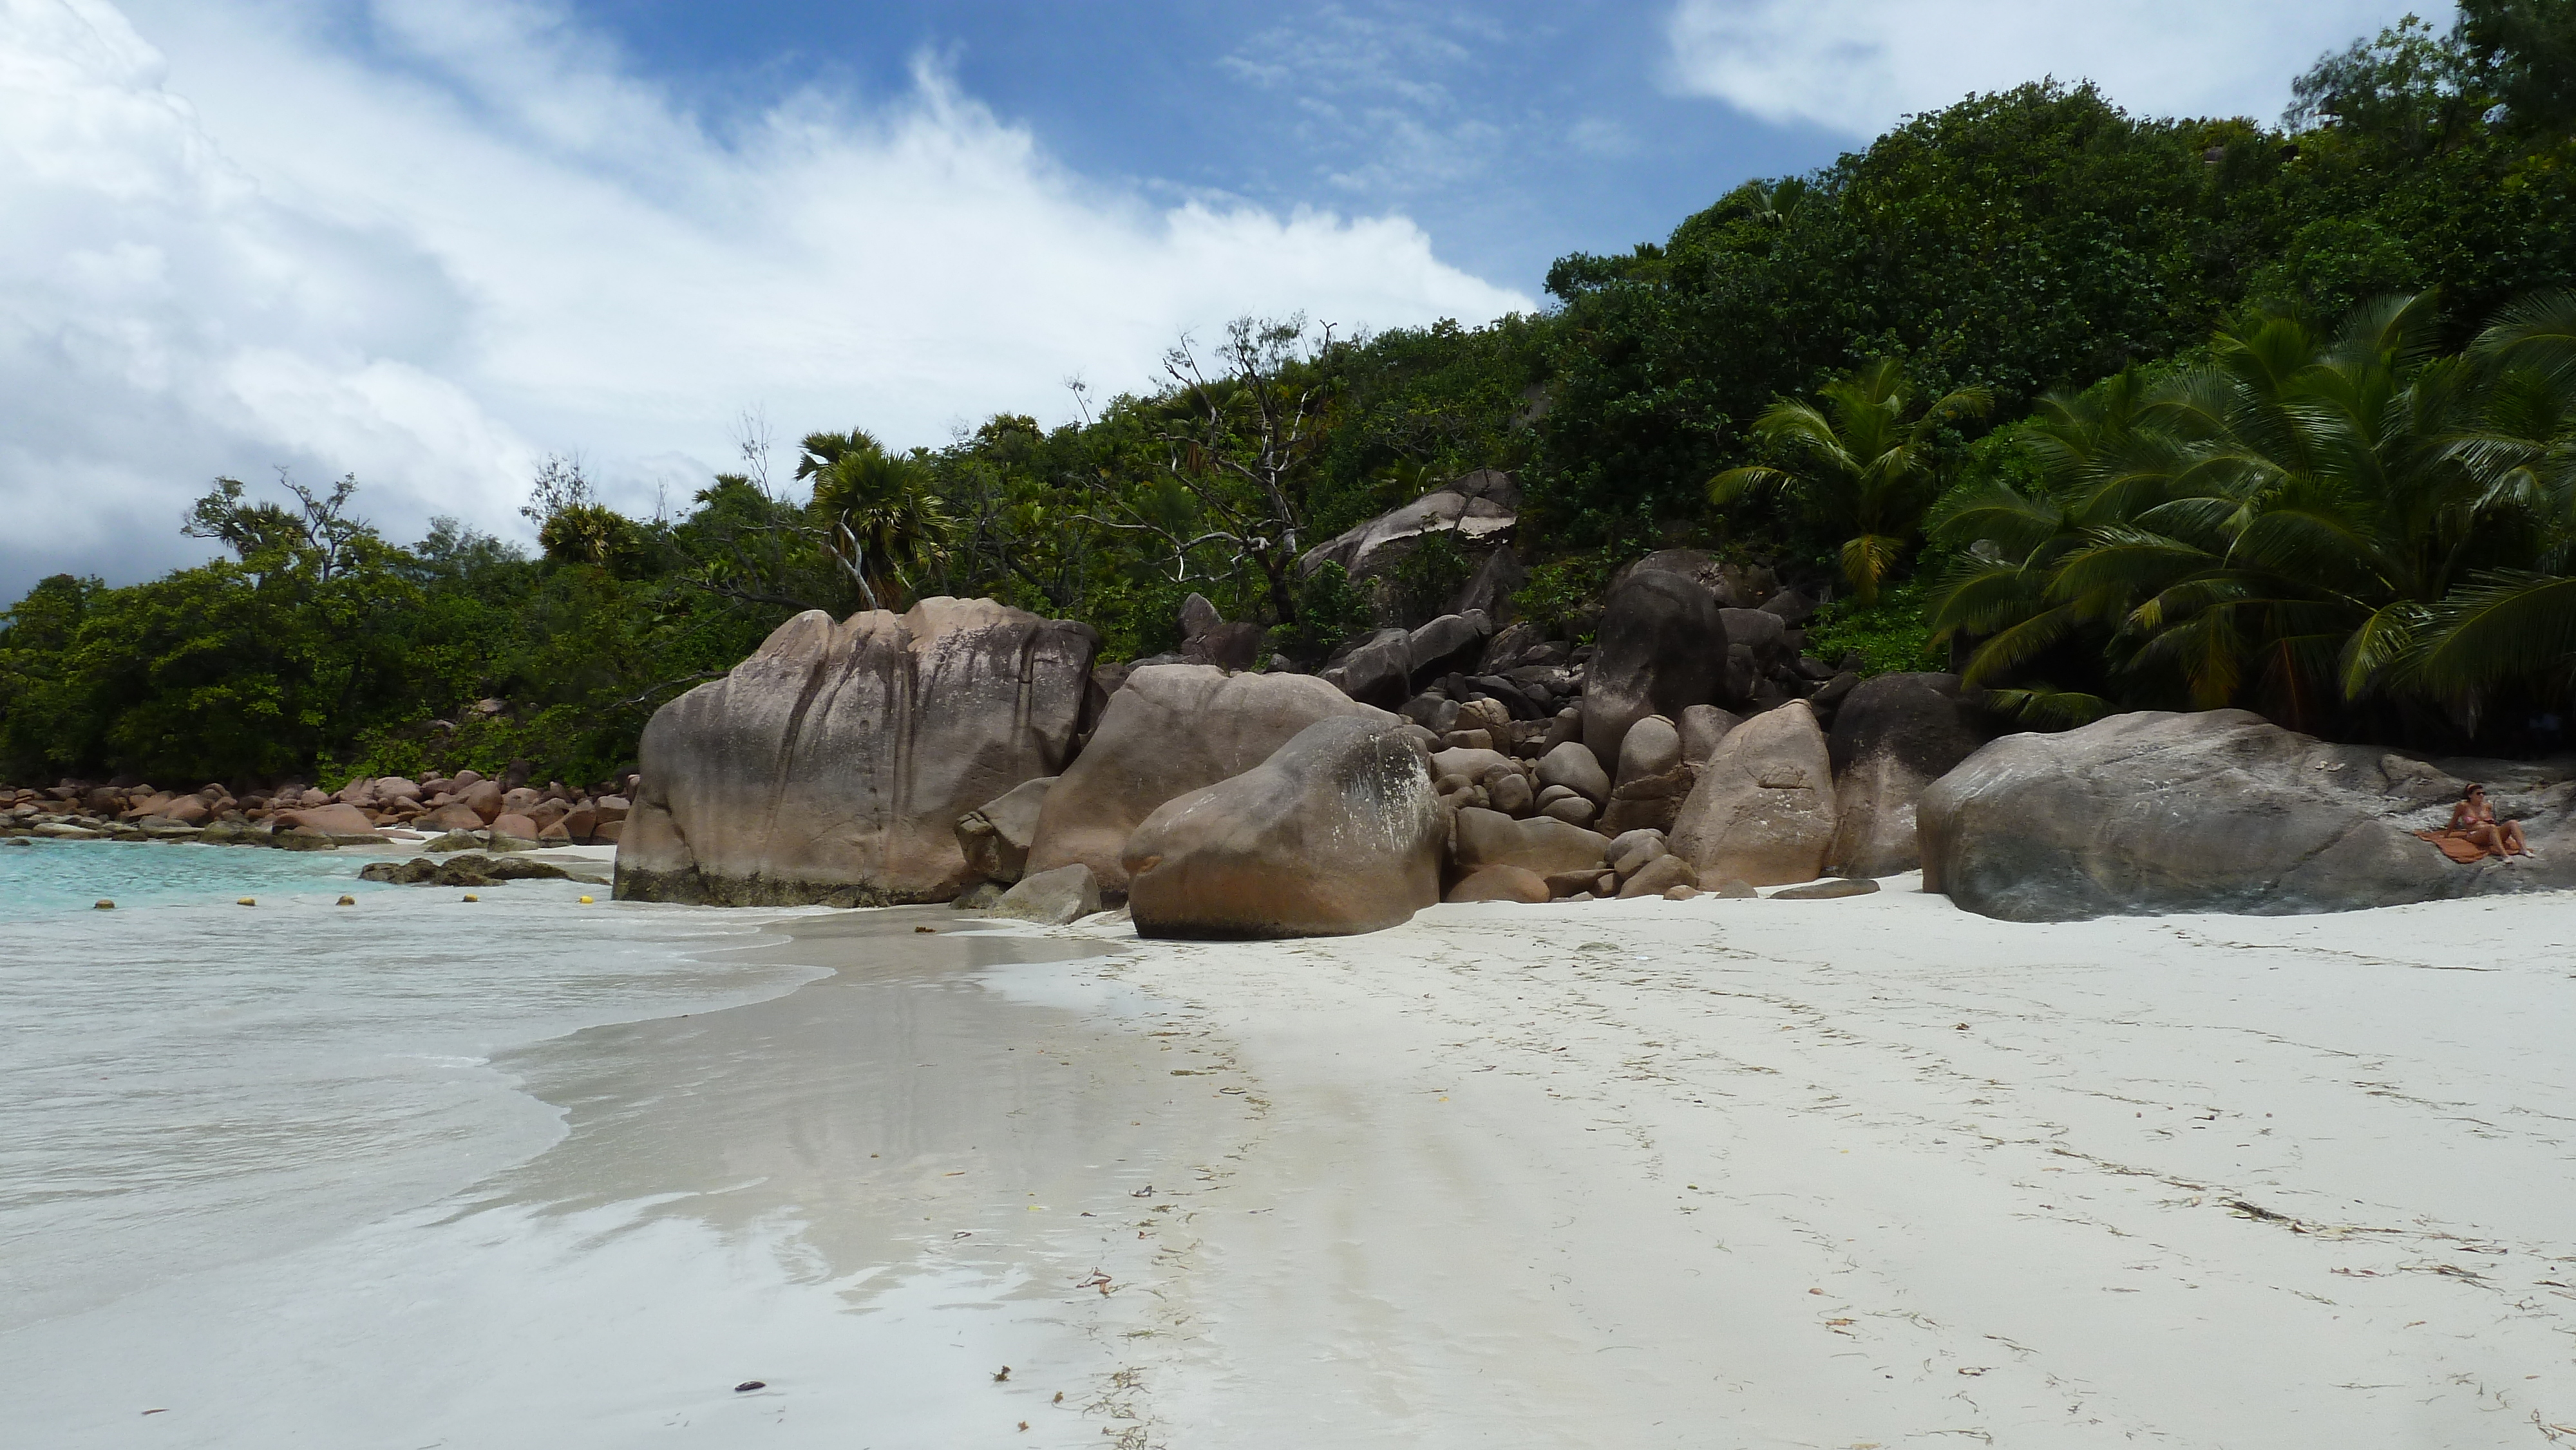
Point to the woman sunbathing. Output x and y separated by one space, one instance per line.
2475 834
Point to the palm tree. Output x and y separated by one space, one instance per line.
1859 465
2290 525
882 511
2514 623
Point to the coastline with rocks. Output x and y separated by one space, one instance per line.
944 754
1586 1041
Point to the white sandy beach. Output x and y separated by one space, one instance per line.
1878 1172
1869 1172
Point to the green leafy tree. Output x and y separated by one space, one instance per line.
1865 465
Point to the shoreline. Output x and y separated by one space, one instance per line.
1836 1172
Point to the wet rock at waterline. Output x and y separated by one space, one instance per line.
834 763
1052 898
465 870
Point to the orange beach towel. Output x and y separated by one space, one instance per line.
2456 845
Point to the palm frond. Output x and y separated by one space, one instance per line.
2506 625
2536 332
1867 559
2383 639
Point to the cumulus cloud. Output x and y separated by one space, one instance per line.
429 241
1855 66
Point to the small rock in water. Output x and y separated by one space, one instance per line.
916 930
348 901
470 896
747 1386
247 901
105 905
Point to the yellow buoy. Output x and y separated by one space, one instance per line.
585 901
470 896
247 901
107 905
348 901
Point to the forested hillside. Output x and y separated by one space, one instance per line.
2114 412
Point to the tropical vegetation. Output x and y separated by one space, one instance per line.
2110 412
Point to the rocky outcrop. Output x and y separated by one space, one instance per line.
1170 730
1207 639
834 763
1540 845
1893 736
1377 671
1479 508
2221 810
1336 833
1763 810
995 837
1661 650
1702 727
1500 883
1052 898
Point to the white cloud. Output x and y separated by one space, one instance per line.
432 246
1855 66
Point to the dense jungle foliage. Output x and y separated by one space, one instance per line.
2112 412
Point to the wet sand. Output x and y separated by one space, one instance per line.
871 1193
1869 1172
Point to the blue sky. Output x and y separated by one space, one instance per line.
431 242
1513 133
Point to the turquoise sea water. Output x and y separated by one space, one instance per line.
185 1081
43 878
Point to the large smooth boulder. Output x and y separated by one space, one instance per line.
1651 747
1479 509
1490 591
1660 649
834 763
1542 844
1170 730
1574 766
453 816
1763 810
1451 642
330 820
2221 810
1500 883
1893 736
1052 898
484 797
1235 646
1702 727
1378 672
996 835
1338 832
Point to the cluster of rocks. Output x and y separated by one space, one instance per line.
968 752
299 817
469 868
